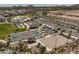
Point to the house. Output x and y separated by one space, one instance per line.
31 40
2 18
33 25
20 19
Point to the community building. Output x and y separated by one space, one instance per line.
22 19
25 36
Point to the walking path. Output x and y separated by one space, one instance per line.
3 41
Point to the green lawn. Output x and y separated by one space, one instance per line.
6 29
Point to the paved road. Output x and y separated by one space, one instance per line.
67 30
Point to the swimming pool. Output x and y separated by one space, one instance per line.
49 30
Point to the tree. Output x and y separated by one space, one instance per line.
29 50
42 50
38 45
54 50
78 30
62 32
22 46
14 52
61 50
44 13
8 41
44 34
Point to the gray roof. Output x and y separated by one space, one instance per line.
25 35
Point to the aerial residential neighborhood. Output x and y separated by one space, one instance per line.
39 29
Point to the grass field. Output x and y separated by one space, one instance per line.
6 29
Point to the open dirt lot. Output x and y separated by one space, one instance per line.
74 13
66 14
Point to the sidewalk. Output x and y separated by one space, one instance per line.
3 41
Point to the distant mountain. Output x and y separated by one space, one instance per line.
37 5
76 6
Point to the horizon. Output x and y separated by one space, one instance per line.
39 5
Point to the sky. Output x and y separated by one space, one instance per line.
10 5
39 1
